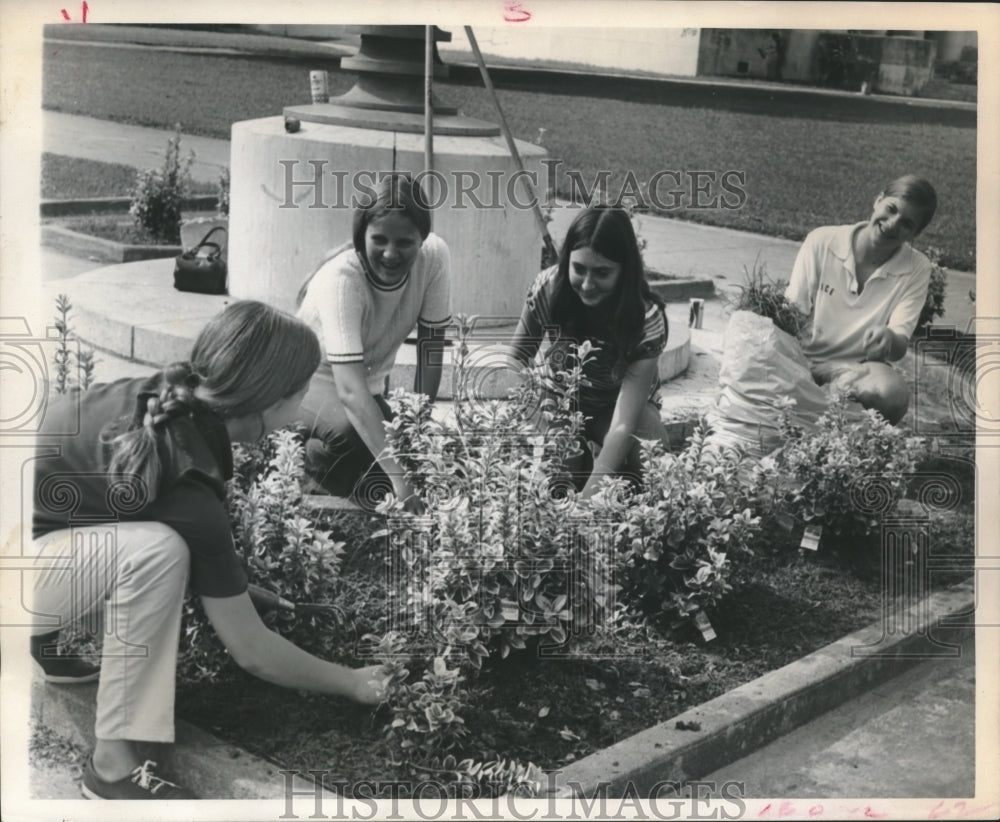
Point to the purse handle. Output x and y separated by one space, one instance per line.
209 234
191 253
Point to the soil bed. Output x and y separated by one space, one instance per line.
554 711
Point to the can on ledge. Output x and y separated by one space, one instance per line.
319 85
696 312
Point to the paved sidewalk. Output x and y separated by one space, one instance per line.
866 746
73 135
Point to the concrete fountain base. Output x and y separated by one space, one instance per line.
133 311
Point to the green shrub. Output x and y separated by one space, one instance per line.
159 194
682 532
934 306
427 729
964 71
500 559
847 473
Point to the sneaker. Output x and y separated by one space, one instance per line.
142 783
61 670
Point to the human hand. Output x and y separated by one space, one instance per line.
370 685
404 492
877 343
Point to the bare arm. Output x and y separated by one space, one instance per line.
883 344
366 417
632 399
430 350
527 337
265 654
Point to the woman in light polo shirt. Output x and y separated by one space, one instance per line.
864 286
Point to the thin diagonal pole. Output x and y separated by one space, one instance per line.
511 145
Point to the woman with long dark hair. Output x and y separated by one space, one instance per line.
597 291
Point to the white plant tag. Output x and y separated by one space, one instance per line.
811 537
703 625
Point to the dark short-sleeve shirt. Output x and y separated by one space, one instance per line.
73 487
606 371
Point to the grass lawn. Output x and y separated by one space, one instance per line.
71 178
806 163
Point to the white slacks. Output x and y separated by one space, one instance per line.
137 572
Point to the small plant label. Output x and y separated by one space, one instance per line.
703 625
811 537
509 610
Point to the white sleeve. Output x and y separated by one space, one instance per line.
341 308
801 290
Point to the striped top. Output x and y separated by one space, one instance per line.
605 372
361 320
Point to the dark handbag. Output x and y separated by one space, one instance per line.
201 269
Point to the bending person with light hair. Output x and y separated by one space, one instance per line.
864 286
150 458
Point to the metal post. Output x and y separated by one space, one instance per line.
428 102
511 145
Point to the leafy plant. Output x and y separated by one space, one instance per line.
684 530
934 306
426 726
223 204
159 193
848 472
67 358
424 712
499 560
766 297
285 553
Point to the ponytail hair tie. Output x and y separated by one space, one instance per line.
155 414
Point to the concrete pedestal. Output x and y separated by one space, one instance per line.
291 197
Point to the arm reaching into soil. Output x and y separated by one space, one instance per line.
366 417
265 654
430 349
632 398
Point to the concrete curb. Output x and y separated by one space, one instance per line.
748 717
213 769
90 247
673 291
115 205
